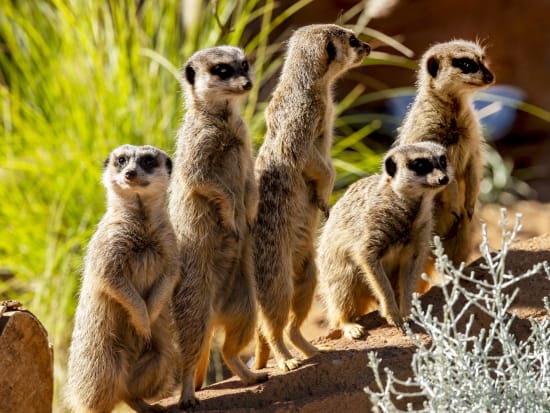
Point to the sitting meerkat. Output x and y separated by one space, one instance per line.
213 203
443 112
378 236
295 176
121 347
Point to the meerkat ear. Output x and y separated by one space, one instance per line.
331 51
190 74
391 166
169 165
106 162
432 66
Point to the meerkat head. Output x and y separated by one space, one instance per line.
217 74
417 169
454 68
142 170
324 50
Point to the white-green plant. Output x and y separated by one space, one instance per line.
462 371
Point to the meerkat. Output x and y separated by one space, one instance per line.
295 177
377 239
122 347
213 203
443 112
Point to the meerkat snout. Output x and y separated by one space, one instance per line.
362 48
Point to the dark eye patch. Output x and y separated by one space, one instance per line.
147 162
121 161
223 71
443 161
354 41
245 66
421 166
466 65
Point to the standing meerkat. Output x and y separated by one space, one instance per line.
378 237
213 203
121 347
443 112
295 177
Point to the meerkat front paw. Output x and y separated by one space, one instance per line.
323 207
393 318
142 325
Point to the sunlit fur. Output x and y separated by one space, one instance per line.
121 348
443 112
378 237
213 203
295 176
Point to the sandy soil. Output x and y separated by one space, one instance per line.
335 379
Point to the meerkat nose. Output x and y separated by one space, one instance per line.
444 180
366 47
488 77
130 174
247 85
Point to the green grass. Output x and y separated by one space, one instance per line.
77 79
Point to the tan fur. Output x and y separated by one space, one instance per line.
213 203
121 348
295 177
376 241
443 112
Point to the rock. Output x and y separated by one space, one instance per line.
26 362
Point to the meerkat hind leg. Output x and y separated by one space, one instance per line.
301 303
261 354
236 338
202 365
143 407
188 399
352 330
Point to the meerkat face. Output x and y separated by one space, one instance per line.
218 73
418 168
326 49
130 169
455 67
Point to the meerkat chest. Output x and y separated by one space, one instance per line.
144 260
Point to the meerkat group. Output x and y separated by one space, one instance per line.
223 240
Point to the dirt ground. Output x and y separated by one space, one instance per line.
335 379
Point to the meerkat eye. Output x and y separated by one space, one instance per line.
421 166
121 161
223 71
354 41
466 65
245 66
147 162
443 161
